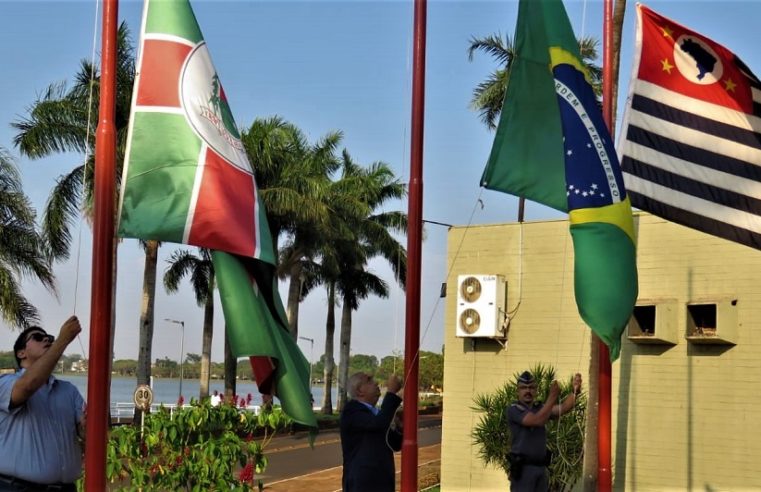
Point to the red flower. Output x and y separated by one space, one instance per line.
246 474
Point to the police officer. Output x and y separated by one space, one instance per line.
529 457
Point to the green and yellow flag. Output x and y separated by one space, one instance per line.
187 179
553 147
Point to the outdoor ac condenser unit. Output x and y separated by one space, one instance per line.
481 306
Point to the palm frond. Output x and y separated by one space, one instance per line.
14 307
200 269
181 262
61 211
501 49
489 95
55 124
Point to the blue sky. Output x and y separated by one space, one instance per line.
323 66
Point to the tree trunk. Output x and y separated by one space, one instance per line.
618 22
294 297
114 270
330 333
231 368
345 353
589 465
208 332
146 318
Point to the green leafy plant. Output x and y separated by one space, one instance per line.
565 436
196 448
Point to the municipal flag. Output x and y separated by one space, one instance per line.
187 180
691 139
553 147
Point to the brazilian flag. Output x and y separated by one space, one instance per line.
553 147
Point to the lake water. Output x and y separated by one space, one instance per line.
167 391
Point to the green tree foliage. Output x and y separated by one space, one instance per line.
196 448
565 437
7 361
22 248
489 95
192 358
244 370
124 367
363 363
431 373
391 364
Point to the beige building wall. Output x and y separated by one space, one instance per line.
686 416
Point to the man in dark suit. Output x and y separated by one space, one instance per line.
368 440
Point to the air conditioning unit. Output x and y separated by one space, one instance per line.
481 306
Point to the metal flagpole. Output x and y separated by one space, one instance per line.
414 239
102 260
604 473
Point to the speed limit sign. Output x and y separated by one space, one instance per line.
143 397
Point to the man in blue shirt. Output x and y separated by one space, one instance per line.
368 440
41 417
529 458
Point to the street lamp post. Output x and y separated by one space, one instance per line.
182 349
311 357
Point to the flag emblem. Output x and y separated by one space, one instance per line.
205 106
696 61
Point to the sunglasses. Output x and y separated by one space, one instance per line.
41 337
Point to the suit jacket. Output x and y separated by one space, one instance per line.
368 446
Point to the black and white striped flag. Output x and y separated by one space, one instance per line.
691 141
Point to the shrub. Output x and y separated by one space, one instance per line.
196 448
565 436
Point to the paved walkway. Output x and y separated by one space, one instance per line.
429 463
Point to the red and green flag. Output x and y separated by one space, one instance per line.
187 180
553 147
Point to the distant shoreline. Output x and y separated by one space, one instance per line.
115 376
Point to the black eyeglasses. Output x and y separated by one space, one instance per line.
41 337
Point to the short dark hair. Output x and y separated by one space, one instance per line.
21 342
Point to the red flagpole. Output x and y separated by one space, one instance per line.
102 261
414 239
604 473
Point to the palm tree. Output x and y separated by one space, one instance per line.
201 271
22 249
145 344
292 177
489 95
372 237
64 120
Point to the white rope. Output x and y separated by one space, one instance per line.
87 154
446 279
403 170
